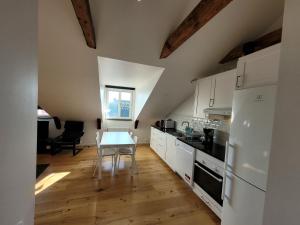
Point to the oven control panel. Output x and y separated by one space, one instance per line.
209 162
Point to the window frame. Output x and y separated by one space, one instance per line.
119 90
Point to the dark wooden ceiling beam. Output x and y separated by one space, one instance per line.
83 13
265 41
200 15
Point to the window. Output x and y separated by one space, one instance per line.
119 103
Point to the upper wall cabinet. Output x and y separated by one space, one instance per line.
214 92
258 69
224 87
204 95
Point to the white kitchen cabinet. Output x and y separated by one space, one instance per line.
224 88
204 95
259 68
171 151
214 92
152 138
161 146
158 142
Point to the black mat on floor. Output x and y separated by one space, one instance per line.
40 168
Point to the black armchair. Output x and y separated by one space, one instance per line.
71 136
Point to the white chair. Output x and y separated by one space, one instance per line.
104 152
130 151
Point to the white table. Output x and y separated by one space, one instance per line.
114 140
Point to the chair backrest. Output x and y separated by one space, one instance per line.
98 141
135 138
74 126
97 134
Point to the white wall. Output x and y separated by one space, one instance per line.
88 139
184 112
18 100
283 195
68 72
143 91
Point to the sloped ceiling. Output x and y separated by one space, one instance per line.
136 31
68 71
127 74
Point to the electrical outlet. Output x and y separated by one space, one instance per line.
20 222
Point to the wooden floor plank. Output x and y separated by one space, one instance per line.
155 195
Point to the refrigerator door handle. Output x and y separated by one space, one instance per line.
225 168
226 155
227 191
232 146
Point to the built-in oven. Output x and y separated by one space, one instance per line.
210 181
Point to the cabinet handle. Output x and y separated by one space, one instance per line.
237 84
211 102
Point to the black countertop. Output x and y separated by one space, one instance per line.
215 150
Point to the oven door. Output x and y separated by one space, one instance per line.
209 181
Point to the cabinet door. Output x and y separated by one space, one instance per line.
161 145
171 151
196 99
152 137
205 96
225 85
259 69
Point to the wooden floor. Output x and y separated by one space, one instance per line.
66 193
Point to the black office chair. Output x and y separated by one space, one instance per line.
71 136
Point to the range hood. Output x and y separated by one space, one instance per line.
218 111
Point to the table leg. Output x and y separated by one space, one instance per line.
100 168
115 164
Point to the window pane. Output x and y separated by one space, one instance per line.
125 96
113 104
125 104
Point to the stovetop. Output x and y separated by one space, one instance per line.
215 150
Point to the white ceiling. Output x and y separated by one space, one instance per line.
136 31
68 71
126 74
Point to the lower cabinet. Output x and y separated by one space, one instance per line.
158 142
165 146
171 151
